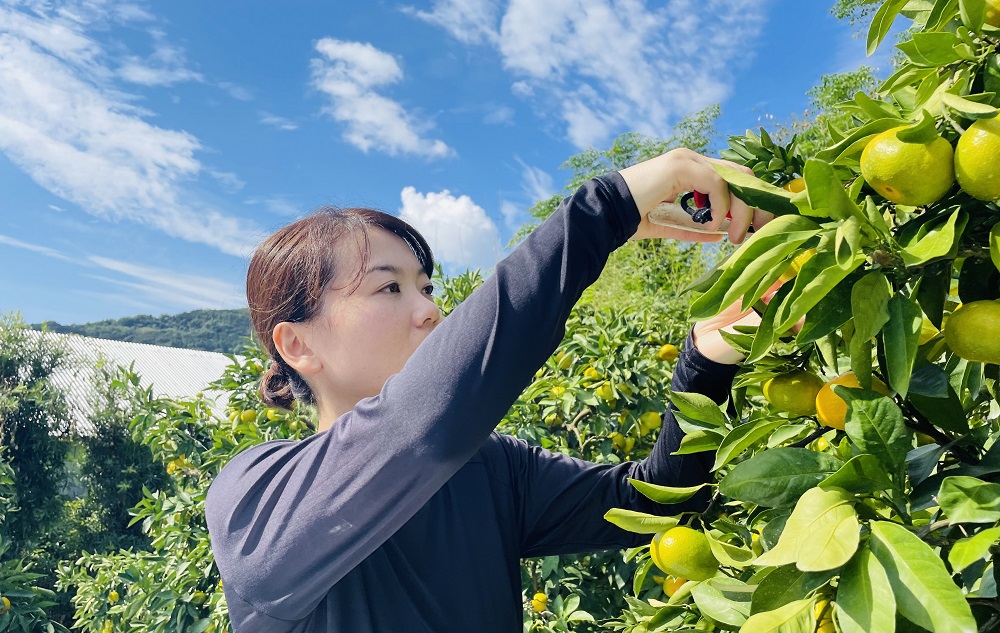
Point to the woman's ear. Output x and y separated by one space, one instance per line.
292 343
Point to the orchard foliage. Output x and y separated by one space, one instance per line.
892 523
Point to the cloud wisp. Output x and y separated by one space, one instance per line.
167 287
606 66
66 123
351 74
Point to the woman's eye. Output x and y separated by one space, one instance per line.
393 287
429 290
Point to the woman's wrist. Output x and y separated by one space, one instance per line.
715 348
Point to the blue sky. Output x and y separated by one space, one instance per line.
146 148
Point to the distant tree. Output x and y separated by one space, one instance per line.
33 425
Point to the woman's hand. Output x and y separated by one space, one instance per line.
664 178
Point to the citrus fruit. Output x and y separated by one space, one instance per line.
113 597
273 414
671 584
650 421
794 392
972 331
605 392
591 373
795 185
668 352
539 601
993 12
248 415
913 174
684 552
557 392
831 409
977 159
796 265
552 419
4 605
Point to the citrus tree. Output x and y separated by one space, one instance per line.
856 465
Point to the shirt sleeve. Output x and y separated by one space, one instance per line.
289 519
564 499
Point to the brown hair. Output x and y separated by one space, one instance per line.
289 272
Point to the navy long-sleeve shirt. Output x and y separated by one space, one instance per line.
409 513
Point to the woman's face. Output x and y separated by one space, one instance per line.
365 334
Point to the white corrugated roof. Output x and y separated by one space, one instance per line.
171 372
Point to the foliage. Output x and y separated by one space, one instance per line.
891 523
174 585
22 601
817 127
696 132
33 423
210 330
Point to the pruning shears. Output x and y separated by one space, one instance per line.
691 212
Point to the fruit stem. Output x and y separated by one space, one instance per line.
815 435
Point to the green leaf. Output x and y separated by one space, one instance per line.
922 132
699 407
815 280
665 494
698 442
860 475
794 617
968 108
924 591
882 22
969 500
864 597
763 338
995 245
847 242
639 522
870 304
854 143
755 192
826 193
729 554
935 239
765 253
713 603
900 336
931 50
875 425
786 584
778 477
822 533
743 437
831 312
968 550
973 14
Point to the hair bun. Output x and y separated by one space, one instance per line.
276 388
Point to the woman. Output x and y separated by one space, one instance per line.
405 512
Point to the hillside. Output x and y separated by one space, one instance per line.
209 330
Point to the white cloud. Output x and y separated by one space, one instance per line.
35 248
279 122
228 180
499 115
63 122
236 92
349 74
165 67
458 230
171 288
537 183
278 205
607 66
468 21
